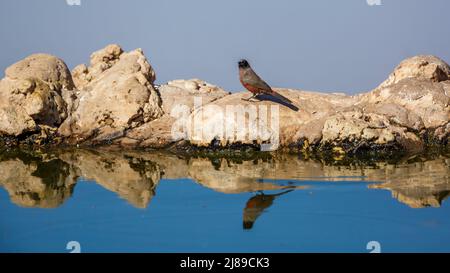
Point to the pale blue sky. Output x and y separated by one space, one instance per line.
323 45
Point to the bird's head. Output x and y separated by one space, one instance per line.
243 63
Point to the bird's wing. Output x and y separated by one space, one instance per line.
254 80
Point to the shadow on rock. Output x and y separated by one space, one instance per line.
277 100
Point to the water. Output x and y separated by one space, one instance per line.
110 201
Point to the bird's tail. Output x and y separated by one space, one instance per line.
281 97
283 192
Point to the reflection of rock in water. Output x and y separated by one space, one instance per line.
228 177
46 179
419 184
34 181
132 178
256 206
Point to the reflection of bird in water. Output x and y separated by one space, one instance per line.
256 205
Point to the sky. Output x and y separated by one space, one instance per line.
322 45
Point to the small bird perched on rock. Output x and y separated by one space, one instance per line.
253 83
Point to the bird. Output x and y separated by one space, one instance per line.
253 83
256 205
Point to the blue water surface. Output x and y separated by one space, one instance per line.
183 216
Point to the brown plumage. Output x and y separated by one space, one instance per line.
253 83
256 206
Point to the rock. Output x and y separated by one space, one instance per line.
355 126
418 104
356 130
35 85
422 67
180 93
105 58
233 120
400 114
81 76
178 101
396 114
101 60
14 121
120 98
153 134
44 105
47 68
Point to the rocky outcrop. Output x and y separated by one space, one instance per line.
114 101
49 69
31 95
233 120
117 95
422 67
408 112
179 99
101 60
415 97
15 121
